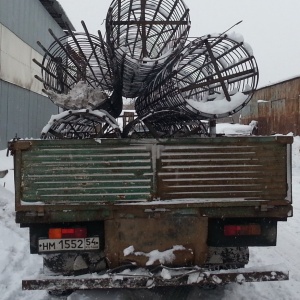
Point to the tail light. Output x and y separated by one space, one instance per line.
67 233
237 230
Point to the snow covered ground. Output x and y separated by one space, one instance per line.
16 262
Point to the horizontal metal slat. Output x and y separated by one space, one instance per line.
220 174
223 194
97 197
87 191
234 178
87 180
144 157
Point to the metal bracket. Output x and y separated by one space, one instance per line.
20 145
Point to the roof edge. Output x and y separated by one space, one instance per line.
278 82
57 12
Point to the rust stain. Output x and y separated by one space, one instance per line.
281 111
143 235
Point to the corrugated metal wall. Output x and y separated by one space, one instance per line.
30 21
276 108
24 112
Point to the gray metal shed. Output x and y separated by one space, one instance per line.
24 110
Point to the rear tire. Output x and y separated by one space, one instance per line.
60 293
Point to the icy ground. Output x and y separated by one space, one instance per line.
16 262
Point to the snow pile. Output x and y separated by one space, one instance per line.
236 129
219 105
16 263
80 96
6 163
15 260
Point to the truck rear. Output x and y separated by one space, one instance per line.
115 213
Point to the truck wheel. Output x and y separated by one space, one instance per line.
74 263
60 293
228 257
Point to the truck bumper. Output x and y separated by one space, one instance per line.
161 276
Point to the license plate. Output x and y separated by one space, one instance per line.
53 245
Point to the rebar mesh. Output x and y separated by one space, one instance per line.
214 77
77 57
144 35
81 124
146 56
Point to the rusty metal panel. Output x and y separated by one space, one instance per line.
281 114
210 171
263 119
86 172
278 108
189 232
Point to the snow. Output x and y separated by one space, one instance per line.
163 257
248 48
129 250
235 36
99 113
16 263
220 105
80 96
235 129
166 274
6 163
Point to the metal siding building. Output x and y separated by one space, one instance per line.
276 108
24 110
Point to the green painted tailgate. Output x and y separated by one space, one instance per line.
121 171
86 171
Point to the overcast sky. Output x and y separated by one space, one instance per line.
271 27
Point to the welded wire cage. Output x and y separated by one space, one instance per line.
77 57
81 124
214 77
144 36
85 58
145 55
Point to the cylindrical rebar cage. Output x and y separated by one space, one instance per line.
74 58
81 59
215 77
81 124
144 35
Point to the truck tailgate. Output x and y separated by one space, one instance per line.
106 172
